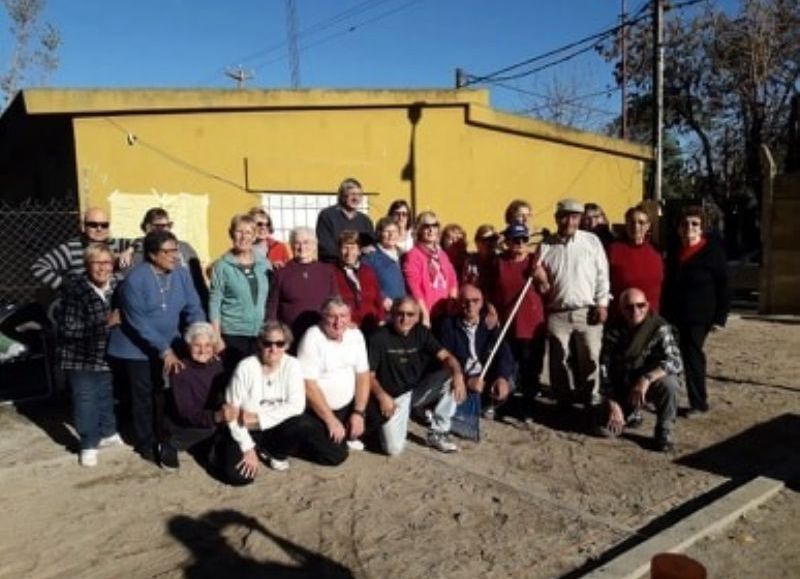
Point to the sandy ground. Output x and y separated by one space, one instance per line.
541 500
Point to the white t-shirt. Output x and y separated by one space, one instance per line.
333 365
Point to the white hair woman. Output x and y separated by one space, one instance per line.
195 410
302 285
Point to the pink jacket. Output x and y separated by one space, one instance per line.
418 280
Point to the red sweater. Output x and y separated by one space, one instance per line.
637 266
509 278
366 309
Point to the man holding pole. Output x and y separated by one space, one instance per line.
577 306
403 356
473 343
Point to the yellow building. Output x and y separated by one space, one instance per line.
207 154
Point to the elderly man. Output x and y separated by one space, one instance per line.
403 357
642 361
66 260
469 339
333 356
577 305
344 215
156 298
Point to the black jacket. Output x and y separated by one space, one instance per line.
696 292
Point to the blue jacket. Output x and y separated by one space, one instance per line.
153 312
231 301
389 272
453 337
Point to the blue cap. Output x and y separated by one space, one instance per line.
515 231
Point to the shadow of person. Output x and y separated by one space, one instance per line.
215 556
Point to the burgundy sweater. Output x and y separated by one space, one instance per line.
195 393
637 266
366 308
297 295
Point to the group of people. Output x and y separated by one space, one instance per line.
346 334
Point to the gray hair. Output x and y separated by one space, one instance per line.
276 326
333 302
199 329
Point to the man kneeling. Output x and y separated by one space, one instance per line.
642 362
403 360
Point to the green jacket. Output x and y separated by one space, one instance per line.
231 302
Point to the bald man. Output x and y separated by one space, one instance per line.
66 260
642 362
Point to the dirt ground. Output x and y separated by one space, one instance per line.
529 500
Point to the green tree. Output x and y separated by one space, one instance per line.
34 51
728 82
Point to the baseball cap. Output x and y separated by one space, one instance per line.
515 231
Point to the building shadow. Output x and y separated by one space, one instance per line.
409 170
770 449
214 556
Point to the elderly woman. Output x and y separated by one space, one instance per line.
157 298
430 276
696 299
84 320
400 212
385 261
269 394
634 262
265 244
302 285
357 284
239 288
454 243
195 410
594 220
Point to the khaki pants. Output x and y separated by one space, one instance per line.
576 380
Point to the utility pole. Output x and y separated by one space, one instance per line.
461 77
658 95
291 42
623 49
239 75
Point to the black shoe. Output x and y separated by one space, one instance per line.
664 444
169 457
148 454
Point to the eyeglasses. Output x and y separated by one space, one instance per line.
430 225
97 224
692 223
162 225
263 224
519 240
402 213
634 306
269 343
405 314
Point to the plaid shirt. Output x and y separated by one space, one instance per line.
83 325
660 351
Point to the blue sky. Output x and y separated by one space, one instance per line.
374 43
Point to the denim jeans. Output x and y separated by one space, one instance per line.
92 405
434 387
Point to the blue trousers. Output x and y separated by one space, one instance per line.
92 405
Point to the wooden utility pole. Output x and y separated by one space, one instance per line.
623 49
658 95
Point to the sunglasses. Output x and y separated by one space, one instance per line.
97 224
430 225
635 306
519 240
263 223
269 343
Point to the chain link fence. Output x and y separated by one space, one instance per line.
28 230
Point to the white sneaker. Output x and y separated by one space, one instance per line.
355 444
278 464
441 442
109 441
88 457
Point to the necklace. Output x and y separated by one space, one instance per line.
163 288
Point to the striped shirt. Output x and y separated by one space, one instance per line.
66 260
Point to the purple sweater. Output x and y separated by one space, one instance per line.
297 295
194 393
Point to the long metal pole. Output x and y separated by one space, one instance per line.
658 95
623 49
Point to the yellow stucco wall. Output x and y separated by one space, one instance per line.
470 161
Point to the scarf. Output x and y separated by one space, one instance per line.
351 273
687 251
435 271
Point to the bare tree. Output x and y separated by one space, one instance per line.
34 53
